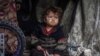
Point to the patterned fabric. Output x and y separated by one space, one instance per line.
8 11
48 38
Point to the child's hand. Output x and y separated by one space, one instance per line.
63 40
40 48
34 40
33 37
56 55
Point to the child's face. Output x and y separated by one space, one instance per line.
52 19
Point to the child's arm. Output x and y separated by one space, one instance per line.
61 37
62 44
35 43
34 40
62 40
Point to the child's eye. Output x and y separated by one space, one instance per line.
49 16
56 17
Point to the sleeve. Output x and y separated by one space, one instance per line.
34 39
61 40
60 33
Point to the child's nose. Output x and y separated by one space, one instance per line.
53 20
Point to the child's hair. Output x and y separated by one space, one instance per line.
53 9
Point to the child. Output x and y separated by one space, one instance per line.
48 34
